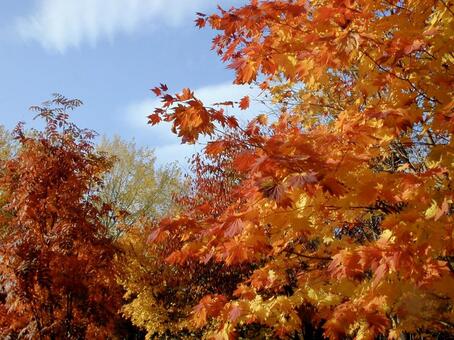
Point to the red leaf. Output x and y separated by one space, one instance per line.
244 103
177 257
235 313
379 273
186 94
200 22
277 192
414 46
244 161
234 253
168 100
232 122
214 148
157 91
157 235
209 306
333 186
154 119
234 228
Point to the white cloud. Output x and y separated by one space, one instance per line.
176 153
61 24
136 118
168 147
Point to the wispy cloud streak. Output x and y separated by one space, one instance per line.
62 24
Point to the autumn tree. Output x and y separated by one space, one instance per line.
159 295
346 198
8 148
7 144
56 273
134 187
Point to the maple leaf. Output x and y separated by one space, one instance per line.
232 122
186 94
303 180
244 103
378 323
157 235
333 186
209 306
414 46
262 119
234 252
177 257
234 228
278 193
168 100
380 272
200 22
245 292
214 148
235 313
154 119
156 91
244 161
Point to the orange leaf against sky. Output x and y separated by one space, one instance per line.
244 103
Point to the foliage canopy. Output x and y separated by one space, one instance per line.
56 274
332 218
345 202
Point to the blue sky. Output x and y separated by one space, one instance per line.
109 53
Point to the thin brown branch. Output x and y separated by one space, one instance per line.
413 86
311 257
447 7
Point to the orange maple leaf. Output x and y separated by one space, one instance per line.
244 103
